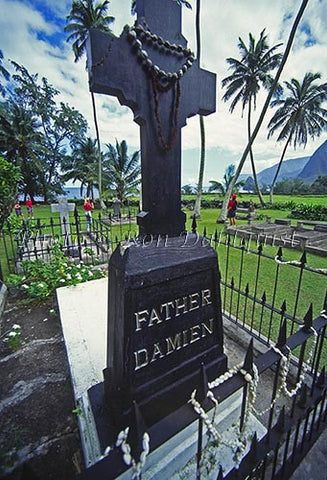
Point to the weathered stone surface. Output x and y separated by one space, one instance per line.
164 321
116 69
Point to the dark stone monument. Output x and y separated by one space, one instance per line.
151 71
164 315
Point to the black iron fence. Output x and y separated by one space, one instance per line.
91 243
271 298
291 428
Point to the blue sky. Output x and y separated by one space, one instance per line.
32 34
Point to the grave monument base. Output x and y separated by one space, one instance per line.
83 314
164 321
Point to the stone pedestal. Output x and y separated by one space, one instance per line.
164 321
83 313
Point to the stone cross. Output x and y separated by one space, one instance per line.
63 207
150 69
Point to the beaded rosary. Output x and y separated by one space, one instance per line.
161 80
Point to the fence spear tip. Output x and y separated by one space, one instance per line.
280 424
322 378
308 320
303 397
248 362
282 337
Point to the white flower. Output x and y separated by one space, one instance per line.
16 327
90 274
78 276
62 280
52 311
41 285
64 265
25 286
12 334
68 276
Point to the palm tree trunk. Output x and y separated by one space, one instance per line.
223 212
271 195
102 205
197 206
255 178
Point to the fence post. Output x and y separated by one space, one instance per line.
78 233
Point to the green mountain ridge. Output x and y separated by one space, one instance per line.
305 168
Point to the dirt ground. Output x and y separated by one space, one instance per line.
39 436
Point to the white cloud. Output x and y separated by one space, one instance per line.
23 30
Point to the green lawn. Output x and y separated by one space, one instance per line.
307 199
313 285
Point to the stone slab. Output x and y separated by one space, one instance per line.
3 296
83 313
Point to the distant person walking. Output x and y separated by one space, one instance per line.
18 209
88 207
29 206
232 206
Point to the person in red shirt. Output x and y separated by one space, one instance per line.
88 207
232 206
18 209
29 206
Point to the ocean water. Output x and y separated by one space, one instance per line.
71 193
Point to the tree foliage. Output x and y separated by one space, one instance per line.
265 107
83 16
35 131
222 187
250 72
3 73
81 165
121 172
299 115
9 180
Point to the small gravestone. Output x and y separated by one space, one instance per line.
116 207
63 207
164 313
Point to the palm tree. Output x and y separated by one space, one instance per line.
222 187
122 172
81 165
299 115
249 74
265 107
82 17
21 143
4 73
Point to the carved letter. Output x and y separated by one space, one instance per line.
157 353
194 301
180 304
195 333
154 318
206 297
174 343
141 317
141 358
185 339
166 308
207 328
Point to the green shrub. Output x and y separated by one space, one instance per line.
309 212
40 279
